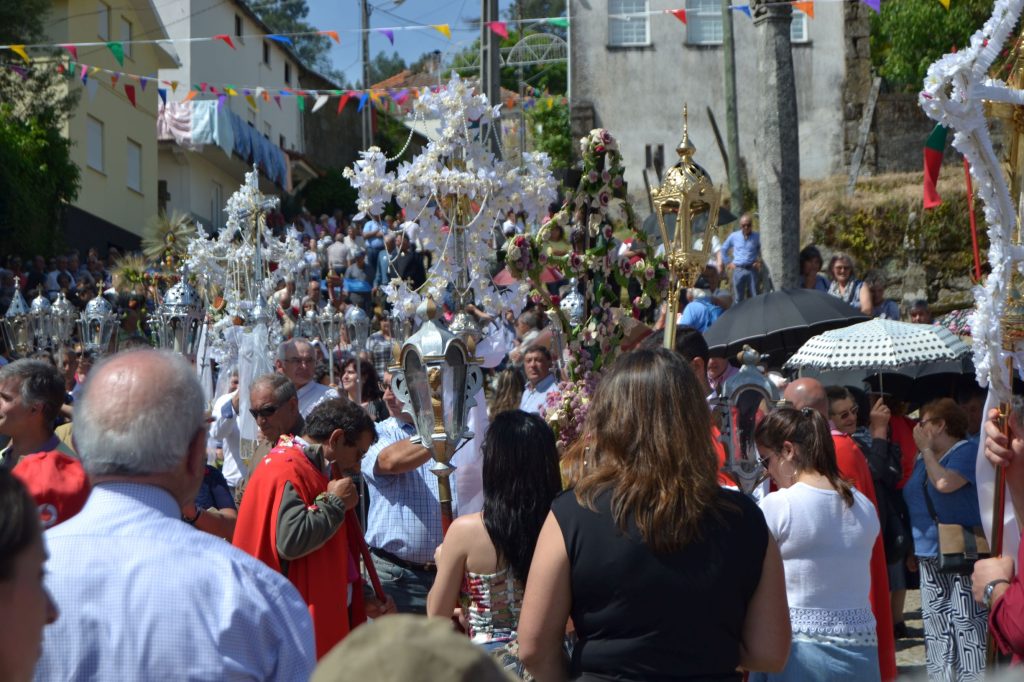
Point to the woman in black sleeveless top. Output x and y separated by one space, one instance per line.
666 576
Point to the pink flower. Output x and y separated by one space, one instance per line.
604 198
606 176
617 182
607 231
592 176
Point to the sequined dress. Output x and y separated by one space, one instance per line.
491 603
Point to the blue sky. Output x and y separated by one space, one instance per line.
341 15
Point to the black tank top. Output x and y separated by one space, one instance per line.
641 615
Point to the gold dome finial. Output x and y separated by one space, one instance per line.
685 148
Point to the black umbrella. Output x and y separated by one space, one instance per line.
779 323
917 384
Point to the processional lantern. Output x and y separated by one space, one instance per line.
438 381
63 316
39 320
17 326
685 201
357 323
98 325
177 322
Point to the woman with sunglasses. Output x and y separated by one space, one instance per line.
826 531
845 284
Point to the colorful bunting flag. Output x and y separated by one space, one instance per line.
114 77
163 95
876 5
85 74
20 51
343 101
277 98
388 33
944 3
220 101
679 14
320 101
746 9
72 50
130 91
21 71
934 150
563 22
284 40
805 7
230 90
174 86
251 100
443 29
333 35
301 102
226 38
117 49
362 100
142 82
499 28
202 87
190 96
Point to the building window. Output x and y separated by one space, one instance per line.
280 141
133 166
238 26
798 29
704 22
628 23
266 53
94 143
216 205
126 36
287 73
266 131
103 20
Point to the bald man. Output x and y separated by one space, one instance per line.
854 468
199 608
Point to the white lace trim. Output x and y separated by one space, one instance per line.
842 622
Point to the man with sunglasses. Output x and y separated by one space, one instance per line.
297 359
297 520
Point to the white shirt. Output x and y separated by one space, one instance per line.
144 596
225 429
312 394
535 398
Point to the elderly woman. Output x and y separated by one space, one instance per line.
666 574
844 283
810 269
955 626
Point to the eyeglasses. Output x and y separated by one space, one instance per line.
846 414
265 412
301 361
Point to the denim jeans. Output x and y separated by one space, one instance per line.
744 282
408 588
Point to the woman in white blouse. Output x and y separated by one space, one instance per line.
825 531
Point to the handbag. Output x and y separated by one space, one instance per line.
959 546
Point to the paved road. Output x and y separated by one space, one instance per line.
910 651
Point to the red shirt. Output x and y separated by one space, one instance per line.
1006 619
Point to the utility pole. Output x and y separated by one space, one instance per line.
490 67
522 91
732 127
367 109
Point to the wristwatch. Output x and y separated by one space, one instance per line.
192 521
990 588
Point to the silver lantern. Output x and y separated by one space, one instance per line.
17 327
98 325
178 321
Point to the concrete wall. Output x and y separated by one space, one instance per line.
638 92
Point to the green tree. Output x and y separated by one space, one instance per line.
551 132
329 192
384 66
553 78
907 36
289 16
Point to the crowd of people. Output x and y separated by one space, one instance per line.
629 555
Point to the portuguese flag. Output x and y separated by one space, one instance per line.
934 149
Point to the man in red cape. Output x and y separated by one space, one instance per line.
854 468
298 522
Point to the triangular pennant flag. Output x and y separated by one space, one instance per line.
934 149
944 3
401 96
21 71
20 51
213 90
72 68
142 82
85 74
499 28
277 98
443 29
220 101
266 95
742 8
362 100
95 70
191 95
163 95
679 14
226 38
561 22
174 86
251 100
284 40
202 87
876 5
114 78
806 7
343 101
92 87
230 90
117 48
388 33
261 92
301 102
333 35
130 91
72 50
320 101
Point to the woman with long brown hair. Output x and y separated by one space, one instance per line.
826 531
665 574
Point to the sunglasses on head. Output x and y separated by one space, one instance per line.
264 412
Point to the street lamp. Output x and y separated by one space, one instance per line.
178 320
437 382
686 200
97 324
17 326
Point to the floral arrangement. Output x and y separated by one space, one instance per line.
597 222
455 184
955 89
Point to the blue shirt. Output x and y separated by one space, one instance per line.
700 313
535 399
959 506
405 509
144 596
375 242
745 250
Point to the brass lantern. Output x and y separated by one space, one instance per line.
438 382
97 325
178 320
17 326
684 202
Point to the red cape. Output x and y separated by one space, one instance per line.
321 577
854 468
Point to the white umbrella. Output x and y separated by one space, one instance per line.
878 344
